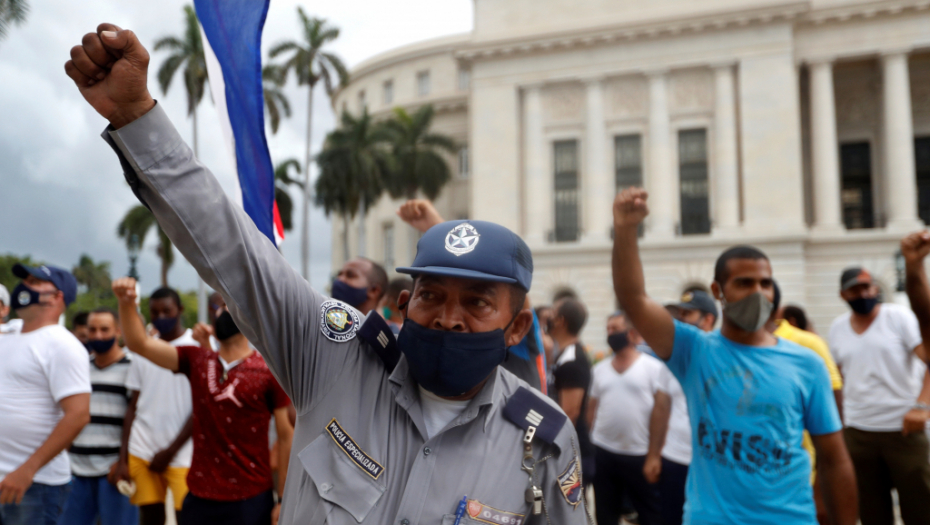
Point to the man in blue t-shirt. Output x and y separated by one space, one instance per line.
750 395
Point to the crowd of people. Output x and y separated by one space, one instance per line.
443 396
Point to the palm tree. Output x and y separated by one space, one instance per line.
187 51
419 165
12 12
311 64
93 276
139 220
275 101
282 180
354 164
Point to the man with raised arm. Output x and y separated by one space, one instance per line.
750 395
401 432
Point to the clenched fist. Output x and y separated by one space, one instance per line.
630 207
916 246
125 290
419 213
110 68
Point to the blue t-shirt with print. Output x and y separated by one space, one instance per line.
749 407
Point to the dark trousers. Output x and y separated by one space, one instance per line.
886 460
616 474
672 491
253 511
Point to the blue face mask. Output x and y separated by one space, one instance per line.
450 364
165 325
23 296
350 295
101 346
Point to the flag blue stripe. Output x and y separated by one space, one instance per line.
234 29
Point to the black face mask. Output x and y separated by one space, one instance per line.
618 341
24 296
101 347
225 326
863 305
350 295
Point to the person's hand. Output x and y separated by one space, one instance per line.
125 290
118 471
161 460
275 513
201 334
15 484
110 69
915 421
652 468
916 246
419 213
630 207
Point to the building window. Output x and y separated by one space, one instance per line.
361 101
388 92
387 234
922 154
692 167
856 180
464 79
463 162
628 160
423 83
567 203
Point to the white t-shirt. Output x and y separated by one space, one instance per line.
678 440
12 327
624 404
37 370
882 376
439 412
163 408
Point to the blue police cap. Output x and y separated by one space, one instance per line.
62 279
477 250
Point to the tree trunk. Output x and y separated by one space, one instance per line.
361 226
345 239
164 262
201 286
308 195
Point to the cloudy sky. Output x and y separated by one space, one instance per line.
62 191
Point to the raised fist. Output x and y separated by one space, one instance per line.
630 207
201 333
125 290
419 213
916 246
110 70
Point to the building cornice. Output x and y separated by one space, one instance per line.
595 36
440 105
864 11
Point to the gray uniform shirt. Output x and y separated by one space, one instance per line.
359 450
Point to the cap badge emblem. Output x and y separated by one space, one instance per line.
462 239
687 297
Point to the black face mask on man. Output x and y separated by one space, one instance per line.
24 296
225 326
101 346
618 341
863 305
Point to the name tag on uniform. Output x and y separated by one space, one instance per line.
480 512
351 448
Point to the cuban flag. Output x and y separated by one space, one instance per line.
232 38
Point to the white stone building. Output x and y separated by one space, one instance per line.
802 127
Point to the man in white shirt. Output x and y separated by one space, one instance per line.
44 398
10 327
159 417
878 348
626 397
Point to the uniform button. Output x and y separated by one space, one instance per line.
404 522
427 451
326 487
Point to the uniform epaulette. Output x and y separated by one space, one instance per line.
379 337
526 409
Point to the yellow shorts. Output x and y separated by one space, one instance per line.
151 487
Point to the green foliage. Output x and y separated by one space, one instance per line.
138 221
12 12
187 50
418 163
308 60
276 102
282 180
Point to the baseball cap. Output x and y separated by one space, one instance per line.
700 301
478 250
4 296
62 279
853 276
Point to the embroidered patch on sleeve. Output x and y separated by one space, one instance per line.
480 512
570 482
337 322
351 448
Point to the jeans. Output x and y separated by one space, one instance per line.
616 474
41 506
94 497
252 511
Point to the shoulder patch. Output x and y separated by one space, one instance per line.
338 322
570 482
526 409
378 335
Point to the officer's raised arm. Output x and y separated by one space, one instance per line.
273 305
649 317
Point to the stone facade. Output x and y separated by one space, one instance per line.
786 93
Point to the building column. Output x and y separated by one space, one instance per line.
726 186
538 189
824 149
661 181
597 183
899 169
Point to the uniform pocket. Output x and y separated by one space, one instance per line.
338 479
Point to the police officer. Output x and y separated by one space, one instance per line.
404 432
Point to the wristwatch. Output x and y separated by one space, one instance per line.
921 406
